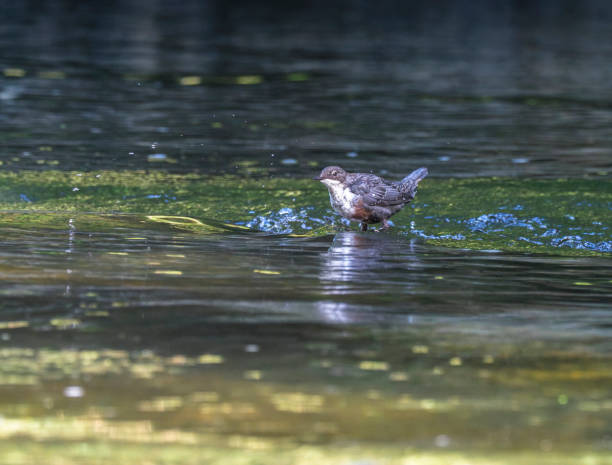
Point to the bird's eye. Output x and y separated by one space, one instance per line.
334 173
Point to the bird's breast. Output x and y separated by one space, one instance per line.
342 199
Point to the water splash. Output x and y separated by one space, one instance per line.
293 220
495 222
504 229
539 232
576 242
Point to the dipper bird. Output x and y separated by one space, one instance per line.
368 198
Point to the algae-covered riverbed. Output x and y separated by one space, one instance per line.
175 288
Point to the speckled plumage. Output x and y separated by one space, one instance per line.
368 198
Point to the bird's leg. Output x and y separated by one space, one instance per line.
364 227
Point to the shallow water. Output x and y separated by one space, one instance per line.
174 286
243 341
299 340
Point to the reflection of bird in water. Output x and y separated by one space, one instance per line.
357 265
366 197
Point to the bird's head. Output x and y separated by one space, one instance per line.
331 175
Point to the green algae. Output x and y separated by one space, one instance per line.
520 215
225 198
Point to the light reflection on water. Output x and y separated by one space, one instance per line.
354 264
354 337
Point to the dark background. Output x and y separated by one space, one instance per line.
468 87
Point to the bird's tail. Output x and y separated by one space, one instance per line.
409 184
414 178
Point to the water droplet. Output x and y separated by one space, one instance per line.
74 391
442 440
251 348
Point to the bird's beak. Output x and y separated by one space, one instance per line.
317 178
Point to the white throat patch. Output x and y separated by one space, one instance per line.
330 182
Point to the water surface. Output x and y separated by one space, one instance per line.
295 335
175 289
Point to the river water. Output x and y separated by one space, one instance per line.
176 289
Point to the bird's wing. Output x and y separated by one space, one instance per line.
375 191
384 195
